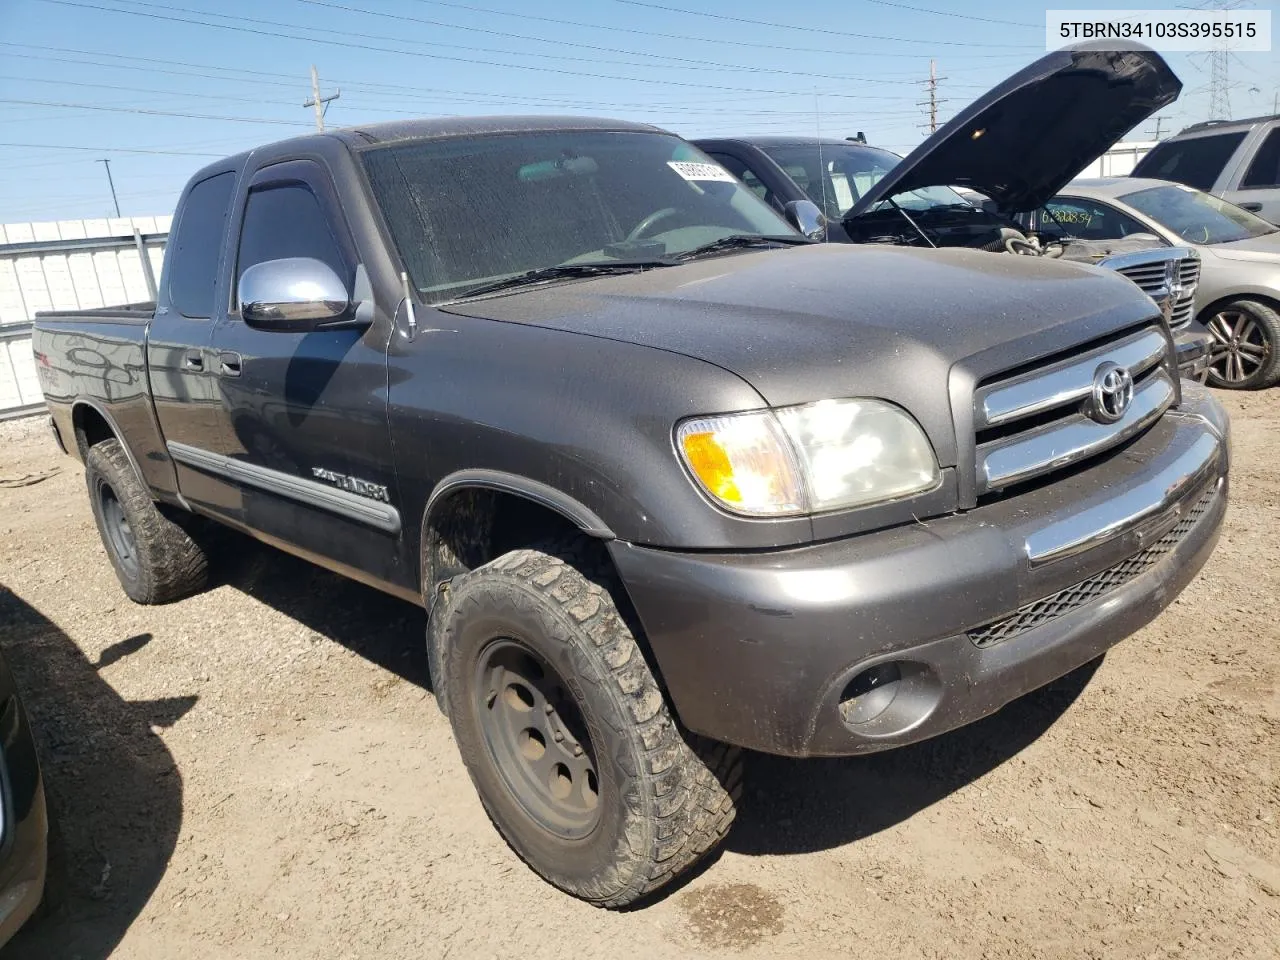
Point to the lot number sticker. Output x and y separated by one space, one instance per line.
700 171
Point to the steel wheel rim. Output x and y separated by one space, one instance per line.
119 533
536 735
1240 346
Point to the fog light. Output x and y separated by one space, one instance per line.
870 693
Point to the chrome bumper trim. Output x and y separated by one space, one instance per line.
1155 501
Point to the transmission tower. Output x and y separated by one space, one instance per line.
1220 65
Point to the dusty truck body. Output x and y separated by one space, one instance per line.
665 487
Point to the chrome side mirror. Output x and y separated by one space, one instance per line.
294 293
805 216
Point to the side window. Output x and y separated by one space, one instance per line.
1087 220
1197 162
197 241
1265 169
743 172
286 220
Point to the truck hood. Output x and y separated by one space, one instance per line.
1025 139
832 320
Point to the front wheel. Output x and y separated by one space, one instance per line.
1246 347
566 734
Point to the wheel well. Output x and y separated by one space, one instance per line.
473 525
1218 304
91 427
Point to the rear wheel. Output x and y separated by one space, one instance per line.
155 559
566 734
1246 348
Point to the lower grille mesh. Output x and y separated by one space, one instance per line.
1039 612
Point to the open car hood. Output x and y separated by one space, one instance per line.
1025 139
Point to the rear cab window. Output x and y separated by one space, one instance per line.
1197 162
197 240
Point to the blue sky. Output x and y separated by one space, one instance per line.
837 66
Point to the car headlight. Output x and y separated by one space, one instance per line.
823 456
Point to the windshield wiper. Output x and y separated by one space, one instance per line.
737 241
562 271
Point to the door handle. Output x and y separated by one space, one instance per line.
193 361
1251 206
229 364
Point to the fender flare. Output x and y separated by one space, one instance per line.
580 516
116 432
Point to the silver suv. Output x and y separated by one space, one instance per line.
1237 160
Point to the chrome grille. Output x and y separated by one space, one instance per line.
1170 280
1184 306
1034 423
1039 612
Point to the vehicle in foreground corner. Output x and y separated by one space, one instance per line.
24 822
665 488
1017 144
1234 160
1237 297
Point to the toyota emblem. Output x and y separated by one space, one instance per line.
1112 393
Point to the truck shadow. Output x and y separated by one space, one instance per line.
114 792
379 627
799 806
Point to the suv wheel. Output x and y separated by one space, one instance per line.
1246 349
565 732
155 560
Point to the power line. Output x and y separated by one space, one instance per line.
676 36
823 30
347 45
108 86
689 64
958 16
63 146
147 112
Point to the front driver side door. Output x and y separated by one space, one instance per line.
304 414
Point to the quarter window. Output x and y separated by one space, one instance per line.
197 241
1197 162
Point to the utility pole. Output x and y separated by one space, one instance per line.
1159 124
933 102
112 184
320 103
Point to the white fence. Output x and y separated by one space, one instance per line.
67 265
1119 161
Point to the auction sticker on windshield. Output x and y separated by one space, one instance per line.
700 171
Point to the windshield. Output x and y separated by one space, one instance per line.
836 175
466 212
1197 217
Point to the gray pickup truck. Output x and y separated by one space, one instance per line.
670 479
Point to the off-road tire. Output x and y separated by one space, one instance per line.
1262 323
665 799
167 564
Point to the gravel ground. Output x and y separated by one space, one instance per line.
260 771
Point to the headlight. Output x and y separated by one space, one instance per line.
822 456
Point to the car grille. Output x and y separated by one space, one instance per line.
1047 609
1032 424
1156 280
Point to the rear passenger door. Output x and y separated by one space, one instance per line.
184 388
304 436
1259 188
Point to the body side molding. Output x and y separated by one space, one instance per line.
363 510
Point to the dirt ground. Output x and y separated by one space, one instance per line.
260 771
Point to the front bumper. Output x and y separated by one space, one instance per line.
1194 346
888 638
